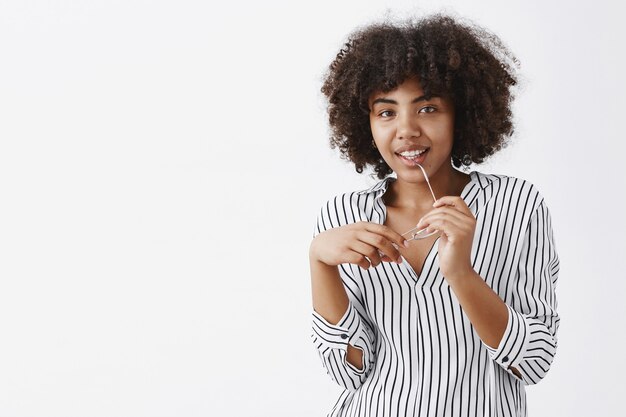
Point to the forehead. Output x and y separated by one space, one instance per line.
407 88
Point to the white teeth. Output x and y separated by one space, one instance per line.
409 154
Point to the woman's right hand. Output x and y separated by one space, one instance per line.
362 243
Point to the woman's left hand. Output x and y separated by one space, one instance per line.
457 223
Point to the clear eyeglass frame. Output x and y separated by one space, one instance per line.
415 234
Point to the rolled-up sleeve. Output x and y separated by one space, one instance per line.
331 341
530 340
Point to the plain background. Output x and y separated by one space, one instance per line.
161 167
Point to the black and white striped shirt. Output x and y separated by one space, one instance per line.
422 356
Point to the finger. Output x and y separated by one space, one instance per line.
359 259
366 249
444 211
449 226
456 202
385 258
444 218
382 245
391 235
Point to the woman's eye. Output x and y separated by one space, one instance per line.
429 109
386 113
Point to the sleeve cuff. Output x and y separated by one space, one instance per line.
510 351
337 335
349 329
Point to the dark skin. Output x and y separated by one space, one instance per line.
456 57
397 118
403 218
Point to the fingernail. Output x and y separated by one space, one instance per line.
400 259
406 243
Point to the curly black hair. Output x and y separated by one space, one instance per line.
450 58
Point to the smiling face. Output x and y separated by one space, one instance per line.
422 129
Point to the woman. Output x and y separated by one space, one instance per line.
458 322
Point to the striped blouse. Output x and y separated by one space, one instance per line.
421 355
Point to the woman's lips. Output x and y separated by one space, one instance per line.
412 162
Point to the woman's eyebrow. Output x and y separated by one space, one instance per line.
415 100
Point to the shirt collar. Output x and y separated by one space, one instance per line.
381 186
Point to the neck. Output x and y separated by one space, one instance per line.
416 195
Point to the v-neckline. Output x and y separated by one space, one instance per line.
427 259
410 267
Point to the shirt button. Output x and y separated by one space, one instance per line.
505 359
344 336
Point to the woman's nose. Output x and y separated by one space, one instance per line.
407 126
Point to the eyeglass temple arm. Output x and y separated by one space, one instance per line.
428 182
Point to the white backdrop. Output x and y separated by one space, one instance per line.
161 167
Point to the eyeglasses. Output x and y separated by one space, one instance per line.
415 234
